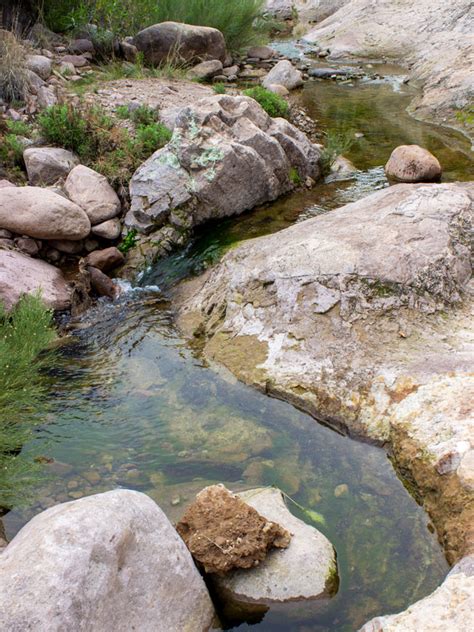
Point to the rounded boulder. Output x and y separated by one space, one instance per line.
412 163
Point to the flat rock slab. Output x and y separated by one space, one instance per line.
224 533
20 274
106 562
42 214
307 569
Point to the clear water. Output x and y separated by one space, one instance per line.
133 406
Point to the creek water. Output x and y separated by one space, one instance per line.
133 406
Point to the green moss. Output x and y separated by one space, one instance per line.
295 176
129 241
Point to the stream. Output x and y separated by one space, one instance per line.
133 406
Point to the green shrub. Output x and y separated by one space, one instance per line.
295 176
149 138
129 241
272 103
240 21
337 143
25 334
219 88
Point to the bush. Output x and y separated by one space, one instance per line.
219 88
25 333
13 72
240 21
272 103
337 143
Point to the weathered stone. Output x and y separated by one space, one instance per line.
231 71
223 533
129 51
106 259
284 74
40 65
80 46
109 561
110 229
226 156
205 70
27 245
76 60
450 607
261 52
303 10
169 40
34 81
46 165
67 69
40 213
68 247
46 97
93 193
20 274
411 163
305 570
380 286
6 183
277 89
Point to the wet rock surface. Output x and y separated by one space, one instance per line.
110 561
223 532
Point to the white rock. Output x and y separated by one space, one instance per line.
93 193
40 65
284 74
305 570
46 165
107 562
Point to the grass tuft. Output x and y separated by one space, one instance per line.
13 71
273 104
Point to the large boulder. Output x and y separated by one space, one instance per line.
226 156
362 317
303 10
46 165
93 193
42 214
431 37
305 570
20 274
107 562
412 163
284 74
450 607
172 40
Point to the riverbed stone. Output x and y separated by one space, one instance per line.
40 65
449 607
46 165
205 70
412 163
106 259
284 74
226 156
306 569
362 317
189 43
41 213
109 561
20 274
92 191
109 229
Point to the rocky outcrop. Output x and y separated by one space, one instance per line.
305 570
225 157
283 74
92 191
46 165
107 562
170 41
361 316
450 607
411 163
303 10
41 213
432 38
20 274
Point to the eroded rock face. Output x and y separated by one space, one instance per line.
110 561
303 10
434 38
305 570
362 317
226 156
450 607
170 40
20 274
92 191
223 533
42 214
411 163
46 165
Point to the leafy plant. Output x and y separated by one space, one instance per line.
219 88
129 241
25 334
273 104
337 143
295 176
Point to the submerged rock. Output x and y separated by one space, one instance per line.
226 156
362 317
20 274
450 607
411 163
106 562
305 570
224 533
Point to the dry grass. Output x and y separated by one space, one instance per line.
13 72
